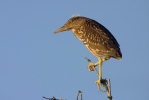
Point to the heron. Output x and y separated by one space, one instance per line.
97 39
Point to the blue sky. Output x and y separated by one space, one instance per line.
34 62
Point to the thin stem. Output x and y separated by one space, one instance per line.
77 95
109 90
96 71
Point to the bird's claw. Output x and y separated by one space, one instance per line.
98 82
91 66
88 60
102 82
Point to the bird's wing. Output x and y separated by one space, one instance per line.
98 39
100 32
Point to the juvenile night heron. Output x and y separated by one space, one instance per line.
98 40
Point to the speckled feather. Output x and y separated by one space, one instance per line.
99 41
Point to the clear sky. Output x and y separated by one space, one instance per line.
35 62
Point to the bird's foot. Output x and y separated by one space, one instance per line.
91 66
98 83
103 83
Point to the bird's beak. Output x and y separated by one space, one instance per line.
63 28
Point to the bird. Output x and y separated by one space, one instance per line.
97 39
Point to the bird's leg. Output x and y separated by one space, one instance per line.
91 67
98 82
101 81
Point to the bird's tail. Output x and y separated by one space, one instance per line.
119 54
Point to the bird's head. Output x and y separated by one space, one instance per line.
72 23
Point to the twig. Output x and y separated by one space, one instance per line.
79 92
109 90
53 98
81 97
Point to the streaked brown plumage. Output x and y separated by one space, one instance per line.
99 41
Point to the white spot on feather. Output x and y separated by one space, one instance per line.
73 30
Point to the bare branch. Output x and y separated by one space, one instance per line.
79 92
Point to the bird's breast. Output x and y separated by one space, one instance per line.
80 35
